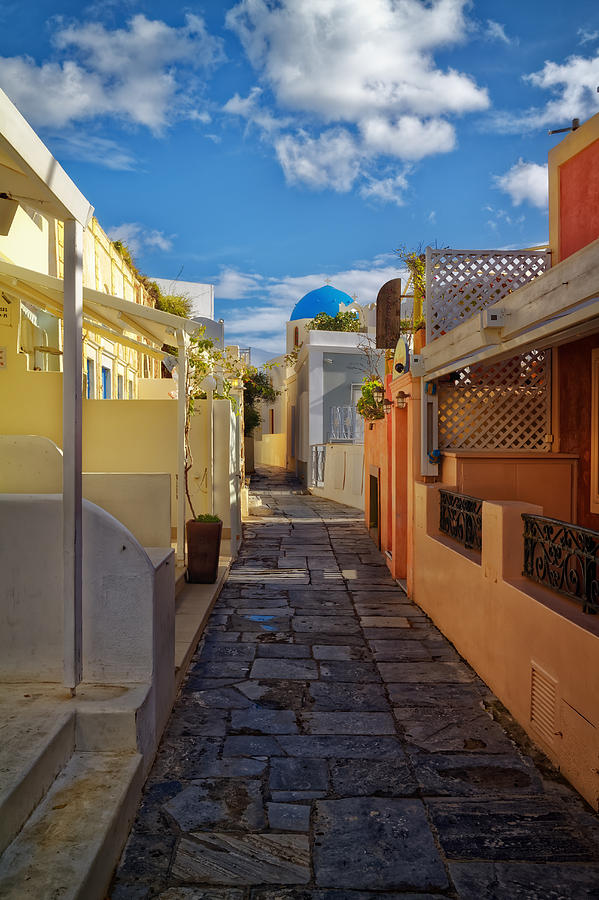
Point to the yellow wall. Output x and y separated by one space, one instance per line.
271 450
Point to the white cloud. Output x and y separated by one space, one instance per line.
495 31
139 238
409 137
587 36
359 80
573 85
235 285
142 73
386 190
94 149
525 182
331 160
249 108
345 59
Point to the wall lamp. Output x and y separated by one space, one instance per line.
388 405
401 400
378 393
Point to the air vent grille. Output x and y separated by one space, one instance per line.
543 704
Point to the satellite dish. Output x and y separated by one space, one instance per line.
401 358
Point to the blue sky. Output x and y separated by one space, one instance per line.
267 146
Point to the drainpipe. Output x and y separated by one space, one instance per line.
72 528
182 342
209 385
210 396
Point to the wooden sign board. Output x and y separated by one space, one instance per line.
388 315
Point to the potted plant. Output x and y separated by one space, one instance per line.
203 548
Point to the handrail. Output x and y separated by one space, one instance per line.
563 557
460 518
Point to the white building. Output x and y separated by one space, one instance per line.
313 428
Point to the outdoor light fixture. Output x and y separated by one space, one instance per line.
378 393
401 399
388 404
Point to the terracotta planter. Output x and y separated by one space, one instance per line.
203 549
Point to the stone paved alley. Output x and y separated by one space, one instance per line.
329 743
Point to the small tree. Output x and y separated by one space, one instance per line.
342 321
256 386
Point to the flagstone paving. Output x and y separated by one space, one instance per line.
329 743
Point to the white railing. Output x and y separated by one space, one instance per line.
346 425
460 283
317 463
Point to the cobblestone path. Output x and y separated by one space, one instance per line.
329 743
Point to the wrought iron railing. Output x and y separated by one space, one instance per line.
563 557
317 463
346 425
461 518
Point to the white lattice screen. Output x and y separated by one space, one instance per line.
502 406
459 283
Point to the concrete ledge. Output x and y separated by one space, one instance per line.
194 605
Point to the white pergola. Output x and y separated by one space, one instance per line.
31 175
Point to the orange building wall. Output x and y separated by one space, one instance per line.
574 366
579 200
376 456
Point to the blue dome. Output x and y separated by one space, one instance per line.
324 299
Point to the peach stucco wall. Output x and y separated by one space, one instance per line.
502 623
548 479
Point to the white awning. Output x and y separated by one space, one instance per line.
30 174
111 316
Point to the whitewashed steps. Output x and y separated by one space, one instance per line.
33 751
69 845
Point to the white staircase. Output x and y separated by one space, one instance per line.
64 812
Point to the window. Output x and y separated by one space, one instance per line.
106 383
130 390
120 387
90 371
296 336
271 420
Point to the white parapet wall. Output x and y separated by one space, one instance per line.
343 475
128 602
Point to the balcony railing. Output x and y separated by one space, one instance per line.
460 283
346 425
317 463
461 518
563 557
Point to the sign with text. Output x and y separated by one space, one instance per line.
6 308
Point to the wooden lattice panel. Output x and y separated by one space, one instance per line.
459 283
502 406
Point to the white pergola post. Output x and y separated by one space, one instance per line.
71 445
182 344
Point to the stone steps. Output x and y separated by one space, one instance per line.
68 845
32 753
